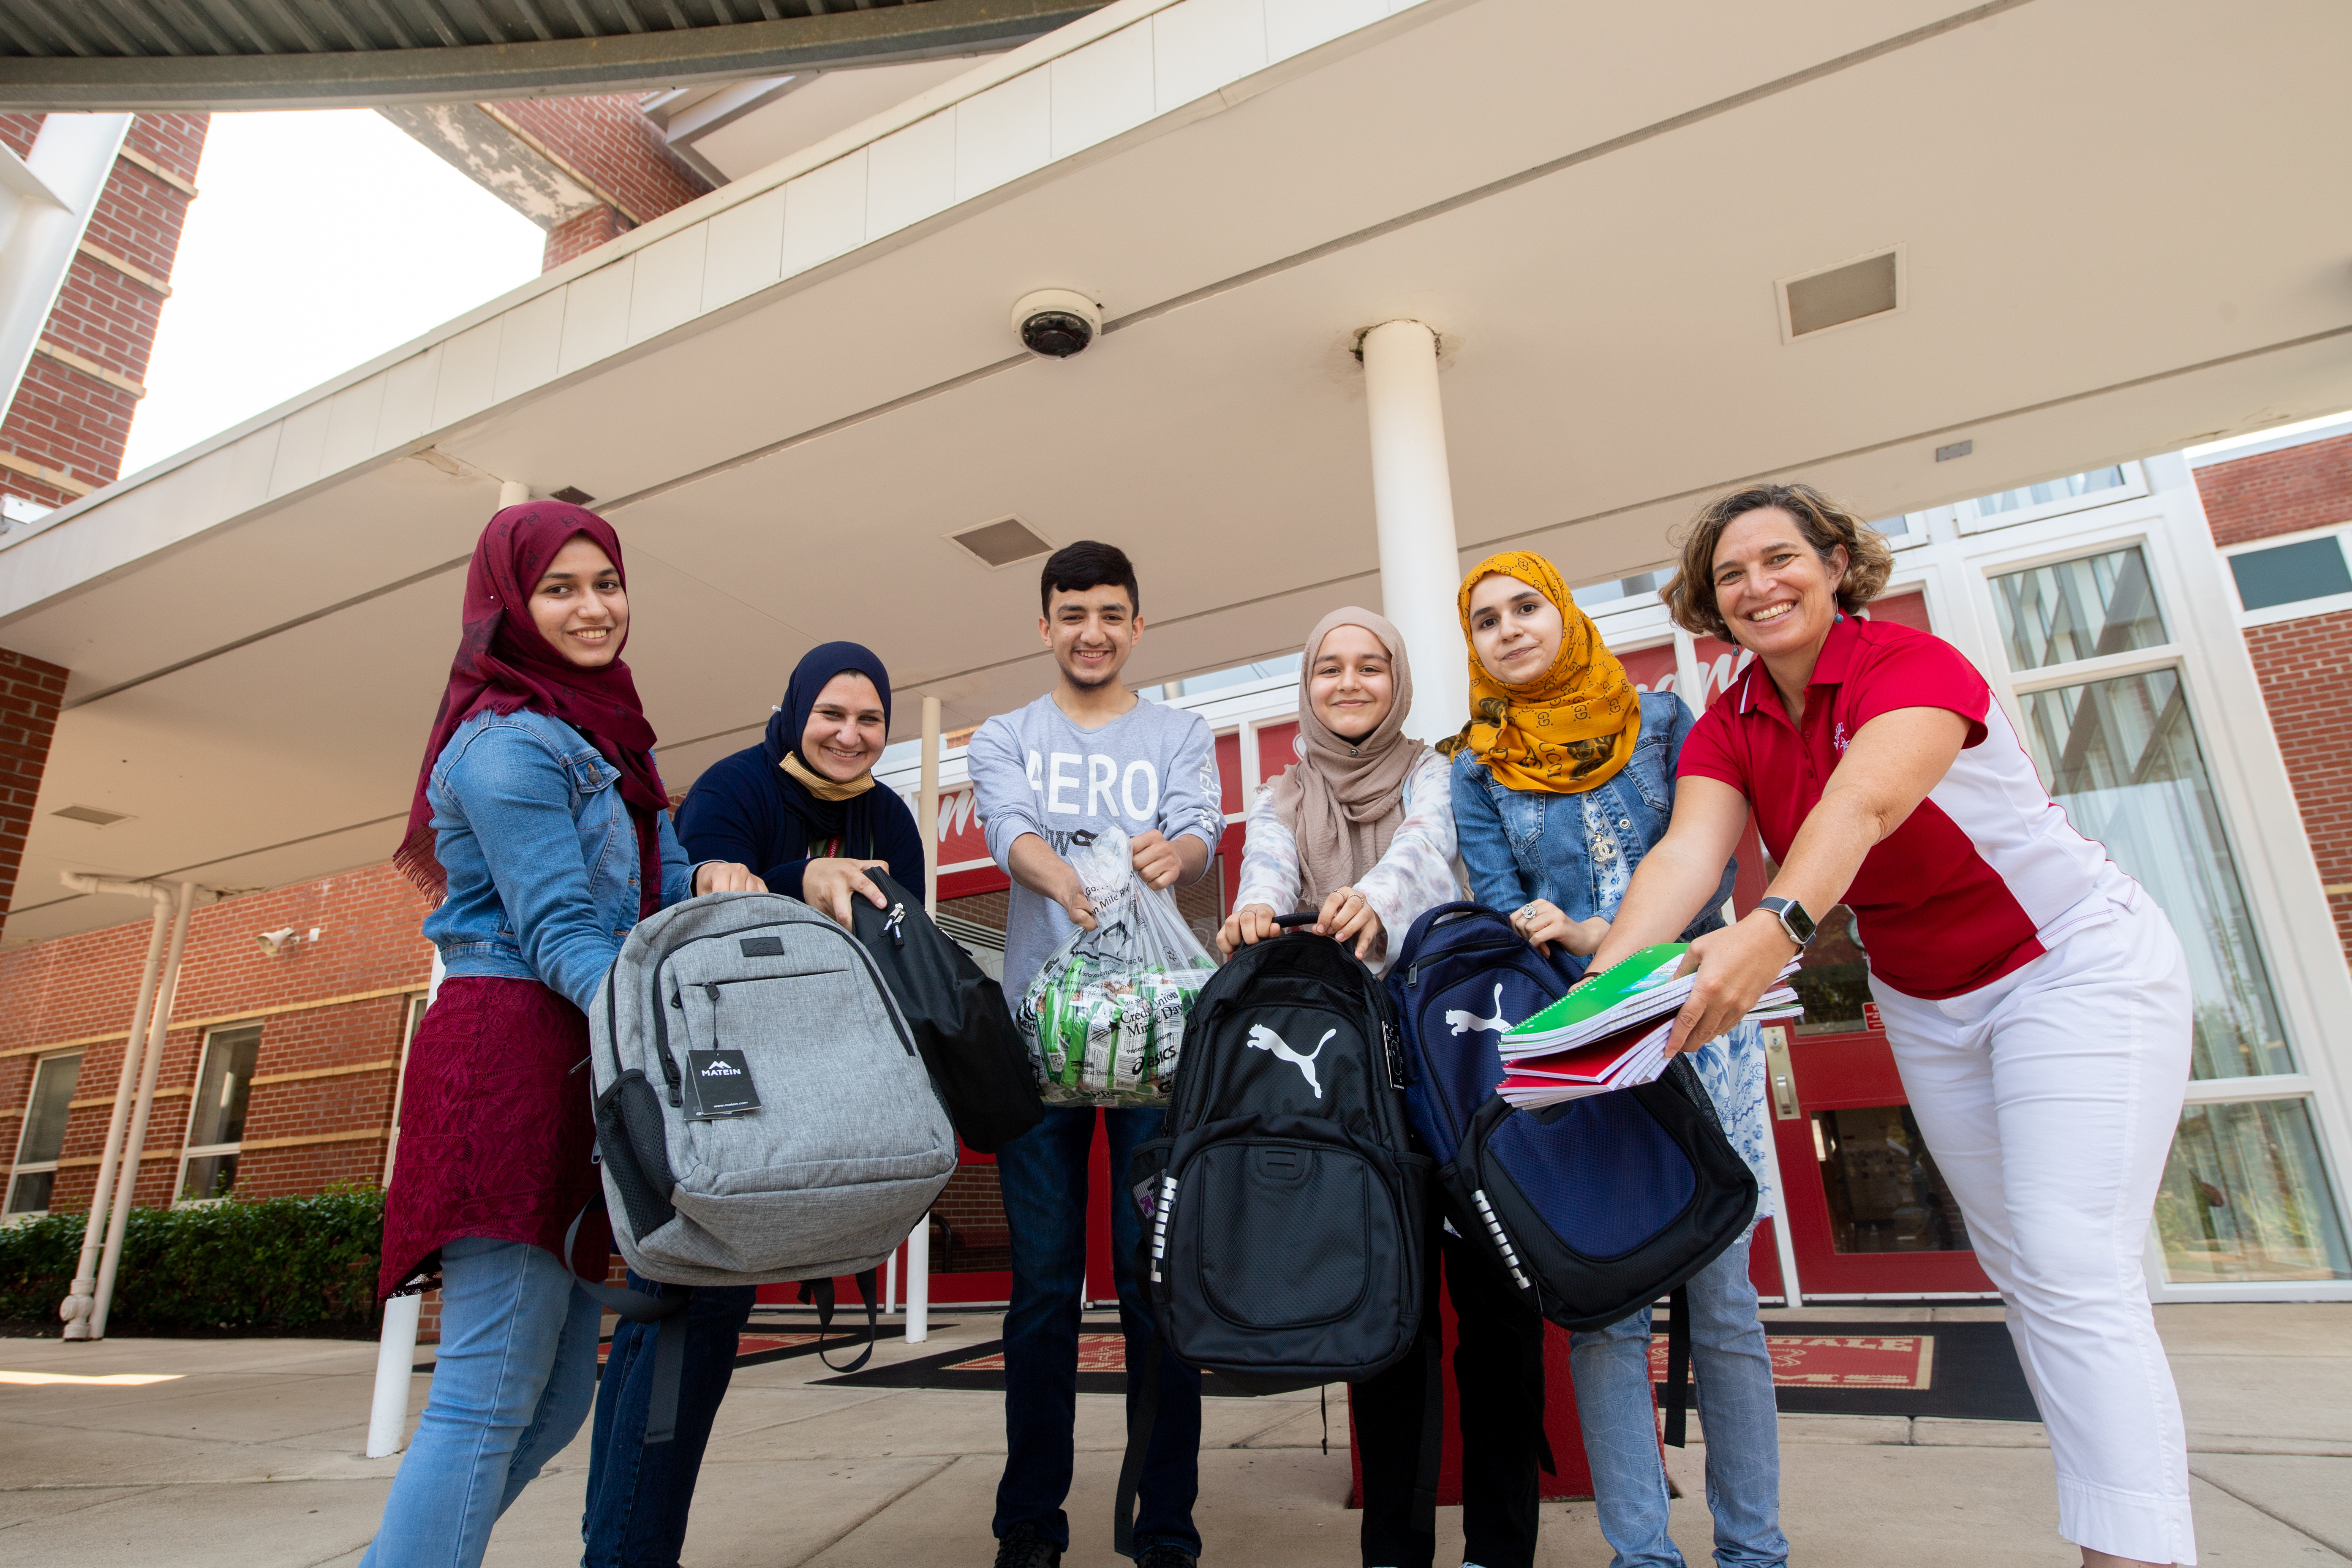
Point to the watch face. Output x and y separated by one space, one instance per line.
1793 919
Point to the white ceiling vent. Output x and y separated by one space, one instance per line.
90 815
1842 294
1001 542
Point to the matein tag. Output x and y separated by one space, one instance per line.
721 1082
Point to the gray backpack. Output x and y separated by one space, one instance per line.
762 1114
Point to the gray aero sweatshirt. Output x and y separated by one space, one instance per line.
1033 771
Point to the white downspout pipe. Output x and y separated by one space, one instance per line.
396 1347
75 1309
1412 507
159 1024
927 823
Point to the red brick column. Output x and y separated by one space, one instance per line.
30 691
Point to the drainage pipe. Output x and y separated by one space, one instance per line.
395 1354
75 1309
396 1349
158 1024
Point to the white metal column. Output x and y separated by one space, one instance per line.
46 200
1413 505
75 1308
918 1240
135 1142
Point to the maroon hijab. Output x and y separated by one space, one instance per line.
504 665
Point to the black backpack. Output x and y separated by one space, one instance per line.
958 1017
1285 1220
1596 1208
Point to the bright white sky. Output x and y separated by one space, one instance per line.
322 238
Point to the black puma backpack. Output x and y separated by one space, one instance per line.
1286 1215
1285 1221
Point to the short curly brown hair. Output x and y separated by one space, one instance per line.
1826 525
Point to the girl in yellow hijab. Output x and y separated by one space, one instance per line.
1563 779
1553 710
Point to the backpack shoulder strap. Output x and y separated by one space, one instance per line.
667 1308
821 1292
1678 1355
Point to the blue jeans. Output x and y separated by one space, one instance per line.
638 1495
1045 1176
1737 1414
511 1383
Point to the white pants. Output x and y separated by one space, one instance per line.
2049 1100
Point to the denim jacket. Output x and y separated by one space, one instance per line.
1520 845
541 857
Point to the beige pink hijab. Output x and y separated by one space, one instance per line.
1343 800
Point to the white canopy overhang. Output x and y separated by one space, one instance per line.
2115 233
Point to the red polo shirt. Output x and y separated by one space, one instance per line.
1985 877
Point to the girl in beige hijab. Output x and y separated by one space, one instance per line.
1360 831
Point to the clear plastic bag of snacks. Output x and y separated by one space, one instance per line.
1105 1018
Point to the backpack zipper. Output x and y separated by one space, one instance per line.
1160 1224
1502 1242
896 924
874 974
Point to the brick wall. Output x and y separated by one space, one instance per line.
2272 493
2306 670
321 1096
578 236
609 144
2305 665
30 691
67 421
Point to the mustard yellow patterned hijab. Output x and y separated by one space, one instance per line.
1566 733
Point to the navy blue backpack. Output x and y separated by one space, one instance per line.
1594 1208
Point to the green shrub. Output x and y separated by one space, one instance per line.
293 1265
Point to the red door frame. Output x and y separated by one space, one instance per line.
1840 1072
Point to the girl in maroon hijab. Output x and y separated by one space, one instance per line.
540 816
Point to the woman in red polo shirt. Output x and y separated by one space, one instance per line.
2036 999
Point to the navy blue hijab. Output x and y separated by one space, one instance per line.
853 818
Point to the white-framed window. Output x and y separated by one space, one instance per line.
216 1119
2098 675
2031 503
43 1134
1904 529
2292 576
1621 593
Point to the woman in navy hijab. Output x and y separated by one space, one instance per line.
804 807
801 807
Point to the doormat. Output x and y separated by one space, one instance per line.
979 1369
756 1346
1965 1372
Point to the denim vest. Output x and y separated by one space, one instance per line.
542 855
1521 845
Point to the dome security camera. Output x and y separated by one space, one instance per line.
1055 323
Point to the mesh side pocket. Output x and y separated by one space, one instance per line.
630 1141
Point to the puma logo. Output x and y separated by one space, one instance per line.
1262 1038
1464 1022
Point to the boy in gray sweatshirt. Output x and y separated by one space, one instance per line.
1087 755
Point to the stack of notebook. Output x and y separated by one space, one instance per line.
1612 1033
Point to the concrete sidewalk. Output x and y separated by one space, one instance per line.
250 1458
